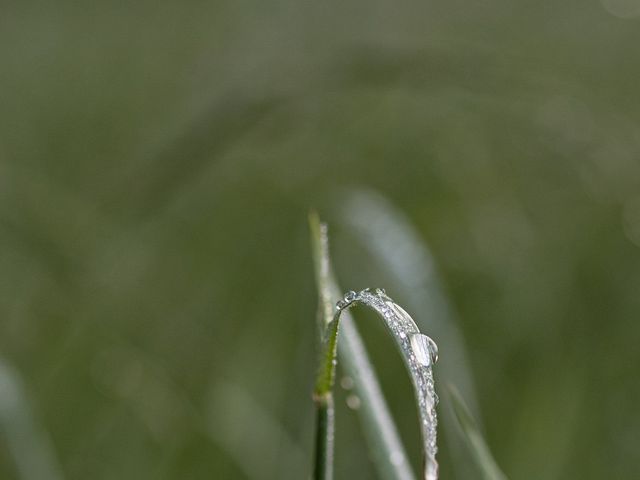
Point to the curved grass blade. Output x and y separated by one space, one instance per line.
487 465
393 247
386 448
419 353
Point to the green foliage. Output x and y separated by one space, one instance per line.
156 160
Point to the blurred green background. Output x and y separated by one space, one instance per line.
157 164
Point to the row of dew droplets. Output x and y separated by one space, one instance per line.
420 353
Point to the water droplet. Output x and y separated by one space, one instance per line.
420 346
431 470
381 292
428 402
350 296
403 317
353 402
433 348
341 304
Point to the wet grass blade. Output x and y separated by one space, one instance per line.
419 353
476 443
395 248
390 244
381 434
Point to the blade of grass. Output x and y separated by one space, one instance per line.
323 459
419 353
381 434
323 391
323 400
392 246
476 443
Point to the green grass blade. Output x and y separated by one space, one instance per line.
323 391
476 443
327 371
327 289
381 434
325 420
390 245
419 353
395 248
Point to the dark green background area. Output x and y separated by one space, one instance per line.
157 164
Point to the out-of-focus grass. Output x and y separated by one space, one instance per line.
156 165
27 445
477 445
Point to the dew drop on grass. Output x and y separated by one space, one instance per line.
350 296
420 347
431 471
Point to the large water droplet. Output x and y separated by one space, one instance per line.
433 348
421 349
431 470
